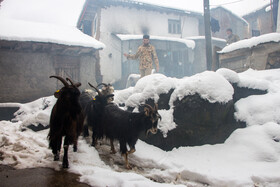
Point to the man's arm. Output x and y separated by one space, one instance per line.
133 57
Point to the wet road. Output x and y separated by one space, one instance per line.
38 177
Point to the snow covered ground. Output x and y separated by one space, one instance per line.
250 156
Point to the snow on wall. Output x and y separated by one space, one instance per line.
209 85
16 30
121 20
249 43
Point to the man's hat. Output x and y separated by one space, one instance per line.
146 36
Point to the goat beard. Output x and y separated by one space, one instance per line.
151 130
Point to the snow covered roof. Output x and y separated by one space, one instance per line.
187 42
170 5
254 41
266 8
203 38
140 4
17 30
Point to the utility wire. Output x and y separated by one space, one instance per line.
228 3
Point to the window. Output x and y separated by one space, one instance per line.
174 26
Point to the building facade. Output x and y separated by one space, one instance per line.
104 20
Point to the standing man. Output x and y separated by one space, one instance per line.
231 37
146 54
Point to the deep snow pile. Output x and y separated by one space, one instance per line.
249 157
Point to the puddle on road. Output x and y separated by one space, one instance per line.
39 177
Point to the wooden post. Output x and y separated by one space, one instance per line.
208 39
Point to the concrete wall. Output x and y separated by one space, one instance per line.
25 75
229 20
123 20
199 64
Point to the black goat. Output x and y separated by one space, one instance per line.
126 126
66 119
94 111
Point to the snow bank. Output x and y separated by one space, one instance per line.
209 85
36 112
47 33
254 41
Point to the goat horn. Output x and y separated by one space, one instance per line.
156 107
99 93
68 79
76 84
149 106
102 84
61 79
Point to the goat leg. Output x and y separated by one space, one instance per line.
56 156
127 165
113 151
85 131
55 145
65 163
75 147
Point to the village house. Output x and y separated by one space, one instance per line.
227 19
119 25
31 52
262 21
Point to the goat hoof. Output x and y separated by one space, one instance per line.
131 151
56 157
128 167
65 165
75 149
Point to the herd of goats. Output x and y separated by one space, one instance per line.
74 112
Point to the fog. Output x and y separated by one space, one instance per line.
68 11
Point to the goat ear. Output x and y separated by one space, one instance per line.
57 94
147 111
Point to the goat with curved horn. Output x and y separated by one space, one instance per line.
61 79
154 110
99 93
150 107
76 84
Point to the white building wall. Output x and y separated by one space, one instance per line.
278 18
123 20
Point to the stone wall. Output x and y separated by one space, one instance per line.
258 57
